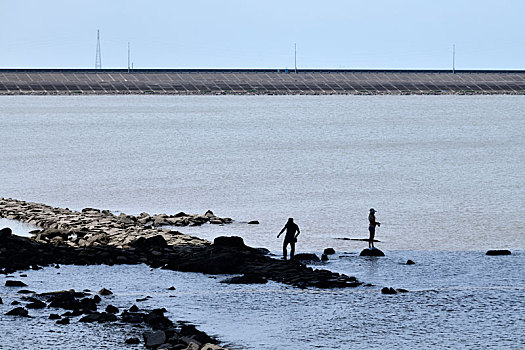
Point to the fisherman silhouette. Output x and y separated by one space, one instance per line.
372 223
290 237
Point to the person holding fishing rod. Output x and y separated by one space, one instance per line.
290 237
372 223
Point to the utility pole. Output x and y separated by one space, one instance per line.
98 57
295 57
128 56
454 59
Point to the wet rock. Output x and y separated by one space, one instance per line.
388 290
410 262
133 308
98 317
306 257
402 290
329 251
154 338
133 340
55 317
26 291
132 317
97 299
15 302
171 288
63 321
157 320
18 311
105 291
12 283
246 279
112 309
233 241
191 331
498 252
253 222
371 252
36 305
1 301
324 257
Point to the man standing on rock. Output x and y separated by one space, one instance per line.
290 237
372 227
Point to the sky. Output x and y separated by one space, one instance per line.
372 34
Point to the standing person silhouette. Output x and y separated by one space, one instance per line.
372 223
290 237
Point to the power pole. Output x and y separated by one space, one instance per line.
454 59
98 57
295 57
128 56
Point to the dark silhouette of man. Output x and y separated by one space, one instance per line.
372 223
290 237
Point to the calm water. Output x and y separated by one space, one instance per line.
445 174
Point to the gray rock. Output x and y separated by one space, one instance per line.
410 262
154 338
133 341
324 257
246 279
63 321
233 241
253 222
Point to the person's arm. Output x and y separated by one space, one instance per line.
298 232
284 228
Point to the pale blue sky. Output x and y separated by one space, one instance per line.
400 34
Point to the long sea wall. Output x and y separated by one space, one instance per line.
259 81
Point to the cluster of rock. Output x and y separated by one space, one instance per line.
99 237
92 227
82 307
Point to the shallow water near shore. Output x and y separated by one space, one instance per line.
444 172
470 300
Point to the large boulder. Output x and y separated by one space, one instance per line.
371 252
329 251
224 241
157 241
5 233
498 252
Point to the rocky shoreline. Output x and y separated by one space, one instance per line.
93 236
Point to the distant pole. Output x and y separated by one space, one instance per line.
128 57
98 57
454 59
295 57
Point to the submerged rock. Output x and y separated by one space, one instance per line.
12 283
388 290
246 279
498 252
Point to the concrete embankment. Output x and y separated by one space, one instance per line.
259 81
99 237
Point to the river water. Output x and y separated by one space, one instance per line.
445 174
